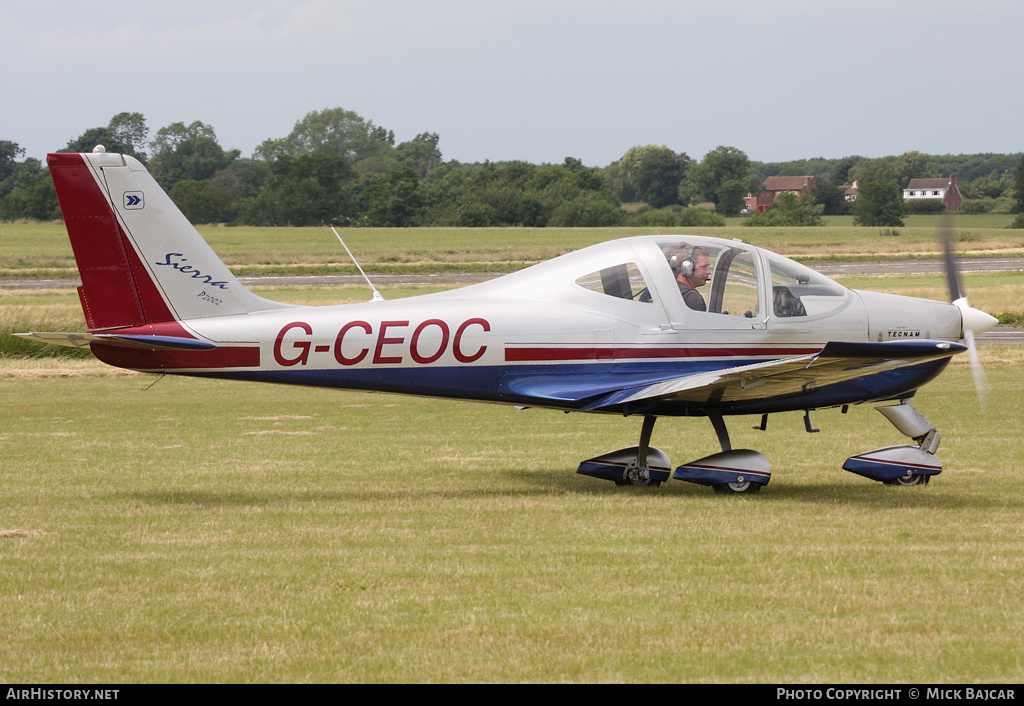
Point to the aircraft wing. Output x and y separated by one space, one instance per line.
837 362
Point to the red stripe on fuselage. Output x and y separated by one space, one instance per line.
140 359
540 354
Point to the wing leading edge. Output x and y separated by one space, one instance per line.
837 362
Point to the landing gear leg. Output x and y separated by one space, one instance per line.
737 486
637 473
721 431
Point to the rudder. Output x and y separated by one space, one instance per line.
140 260
108 292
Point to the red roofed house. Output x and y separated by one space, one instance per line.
943 189
773 186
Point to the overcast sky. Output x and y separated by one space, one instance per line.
536 80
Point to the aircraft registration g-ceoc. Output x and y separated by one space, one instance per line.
661 325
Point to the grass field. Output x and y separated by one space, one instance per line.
204 531
43 250
210 531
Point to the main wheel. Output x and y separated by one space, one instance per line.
652 483
634 476
737 487
909 479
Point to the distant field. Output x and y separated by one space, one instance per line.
32 249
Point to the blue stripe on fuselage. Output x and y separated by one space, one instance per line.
570 386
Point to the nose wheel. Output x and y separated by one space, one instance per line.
739 487
909 479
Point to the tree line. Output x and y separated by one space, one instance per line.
335 167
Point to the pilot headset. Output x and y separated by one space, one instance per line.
683 264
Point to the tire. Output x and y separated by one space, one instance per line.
909 479
624 483
738 488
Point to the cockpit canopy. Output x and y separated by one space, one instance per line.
713 277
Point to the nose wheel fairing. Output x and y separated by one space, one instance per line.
892 463
905 464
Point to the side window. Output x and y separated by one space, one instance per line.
713 278
621 281
739 295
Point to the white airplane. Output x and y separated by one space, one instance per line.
661 325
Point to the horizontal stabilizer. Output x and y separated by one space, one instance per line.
82 340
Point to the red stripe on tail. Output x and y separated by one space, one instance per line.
116 289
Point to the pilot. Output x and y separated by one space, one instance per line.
692 268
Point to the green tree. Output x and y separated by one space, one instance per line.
1018 187
239 183
983 188
911 165
393 200
28 191
38 202
841 171
187 152
789 210
125 134
723 177
881 169
339 132
420 154
130 130
832 198
307 190
9 153
679 217
473 214
588 210
614 175
654 173
442 190
879 203
201 201
501 188
96 136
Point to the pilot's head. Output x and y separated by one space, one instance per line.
690 264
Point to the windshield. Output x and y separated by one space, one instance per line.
800 291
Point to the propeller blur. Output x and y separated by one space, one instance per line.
650 326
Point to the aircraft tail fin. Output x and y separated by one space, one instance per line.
140 260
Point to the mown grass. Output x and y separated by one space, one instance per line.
43 250
207 531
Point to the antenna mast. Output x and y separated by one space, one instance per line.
376 295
